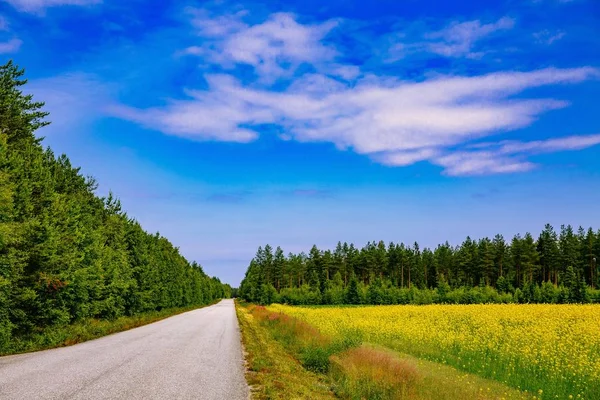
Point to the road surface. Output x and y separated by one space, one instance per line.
195 355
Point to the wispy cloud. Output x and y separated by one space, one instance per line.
235 197
509 156
274 47
459 38
408 157
36 6
3 24
72 99
454 40
540 2
480 163
547 37
545 146
10 46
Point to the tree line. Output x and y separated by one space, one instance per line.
554 268
66 254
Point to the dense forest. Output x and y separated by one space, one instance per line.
67 255
555 268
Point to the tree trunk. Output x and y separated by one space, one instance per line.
402 279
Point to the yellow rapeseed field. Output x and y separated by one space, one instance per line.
553 351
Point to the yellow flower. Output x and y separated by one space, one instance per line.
547 344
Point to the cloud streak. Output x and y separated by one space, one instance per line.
8 46
73 100
35 6
11 46
3 24
458 39
547 37
509 156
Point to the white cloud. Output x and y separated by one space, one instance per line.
72 99
547 37
3 24
40 5
217 26
458 39
10 46
407 157
396 123
480 163
275 47
548 145
509 156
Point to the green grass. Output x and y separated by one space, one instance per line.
61 336
271 371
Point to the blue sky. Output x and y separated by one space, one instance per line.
228 125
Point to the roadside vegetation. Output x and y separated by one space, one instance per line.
345 367
272 372
74 265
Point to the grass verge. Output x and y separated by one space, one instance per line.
272 372
83 331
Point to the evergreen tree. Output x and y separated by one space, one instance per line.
279 268
500 254
375 292
352 295
486 260
547 247
67 255
529 258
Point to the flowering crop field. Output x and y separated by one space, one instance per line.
552 351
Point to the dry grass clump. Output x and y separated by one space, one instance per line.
372 373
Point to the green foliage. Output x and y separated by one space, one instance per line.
352 294
268 294
375 293
67 255
478 271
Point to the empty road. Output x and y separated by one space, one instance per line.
195 355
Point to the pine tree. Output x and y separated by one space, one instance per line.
486 260
588 248
568 248
547 247
530 258
352 295
279 263
500 251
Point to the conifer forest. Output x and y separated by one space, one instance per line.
556 267
66 254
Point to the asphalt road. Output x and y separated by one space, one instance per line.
195 355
